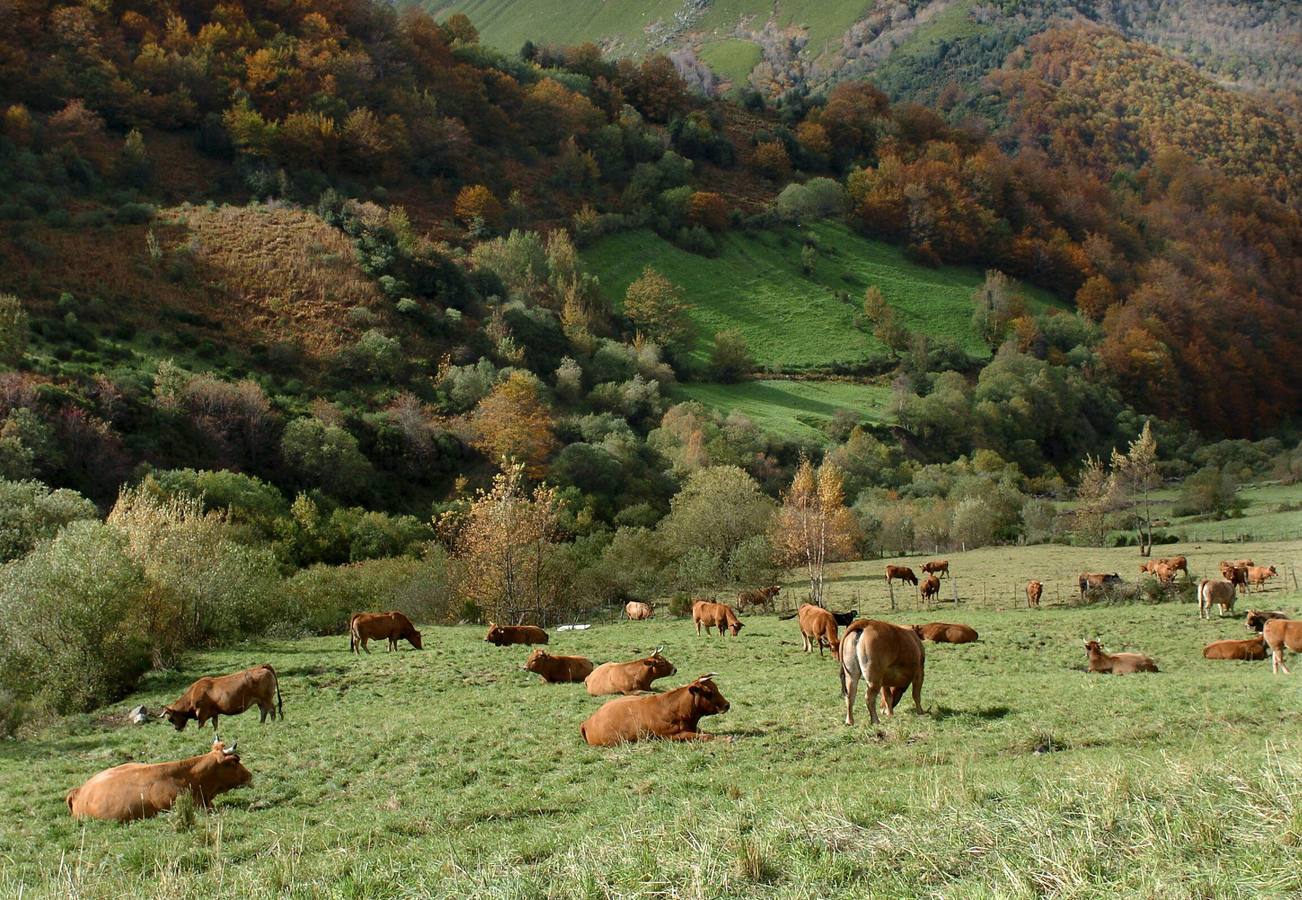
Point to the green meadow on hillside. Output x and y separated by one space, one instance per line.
793 409
731 58
450 772
792 320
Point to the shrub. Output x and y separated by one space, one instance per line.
325 456
321 598
30 513
13 330
680 604
730 357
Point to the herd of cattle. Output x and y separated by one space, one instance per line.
889 657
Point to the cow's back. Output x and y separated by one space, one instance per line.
1250 649
123 793
894 654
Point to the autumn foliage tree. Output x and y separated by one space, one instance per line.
814 527
476 203
513 423
655 306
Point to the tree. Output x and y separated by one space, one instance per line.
325 456
814 526
808 259
1135 474
476 206
513 424
506 545
13 330
771 160
1093 502
994 305
133 166
730 357
655 305
718 509
708 209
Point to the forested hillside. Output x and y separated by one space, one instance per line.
340 274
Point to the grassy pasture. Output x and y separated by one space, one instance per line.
731 58
791 320
793 409
450 772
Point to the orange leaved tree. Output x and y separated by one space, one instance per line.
814 527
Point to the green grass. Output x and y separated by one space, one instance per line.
731 58
451 773
791 320
793 409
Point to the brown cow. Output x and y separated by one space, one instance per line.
628 677
889 656
946 633
1280 634
1097 580
930 588
392 626
1164 573
638 611
1117 663
1257 575
1244 563
1236 575
715 615
1217 591
1148 567
227 695
1034 590
1252 648
140 790
558 669
502 635
903 573
673 716
762 597
1176 564
936 567
817 626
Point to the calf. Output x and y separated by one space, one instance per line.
558 669
628 677
1034 590
1252 648
1090 581
1117 663
1215 591
901 573
503 635
673 716
1257 575
889 656
227 695
638 611
715 615
140 790
946 633
936 567
930 588
761 597
817 626
392 626
1280 634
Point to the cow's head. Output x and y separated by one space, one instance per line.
706 698
1270 570
658 665
1092 647
733 625
413 638
536 660
496 634
772 590
221 770
1257 620
178 717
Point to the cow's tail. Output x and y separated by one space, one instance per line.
840 665
352 633
785 616
280 707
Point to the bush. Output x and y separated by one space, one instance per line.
30 513
680 605
321 599
325 456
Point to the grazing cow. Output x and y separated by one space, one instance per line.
1097 580
1280 634
936 567
558 669
1117 663
903 573
845 618
1252 648
1034 590
227 695
1217 591
715 615
628 677
392 626
817 626
140 790
673 716
930 588
889 656
946 633
502 635
1148 567
1236 575
637 611
761 597
1176 564
1257 575
1163 572
1244 563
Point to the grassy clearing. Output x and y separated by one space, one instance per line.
731 58
793 409
789 319
450 772
1272 511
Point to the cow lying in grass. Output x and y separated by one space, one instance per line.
503 635
1252 648
628 677
946 633
558 669
139 790
672 716
1117 663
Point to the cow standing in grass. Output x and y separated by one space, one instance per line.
227 695
890 657
1034 590
1216 591
1279 633
817 626
391 626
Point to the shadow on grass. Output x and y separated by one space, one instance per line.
986 714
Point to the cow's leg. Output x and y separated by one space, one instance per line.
917 694
852 686
262 714
1279 657
698 628
870 698
364 647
